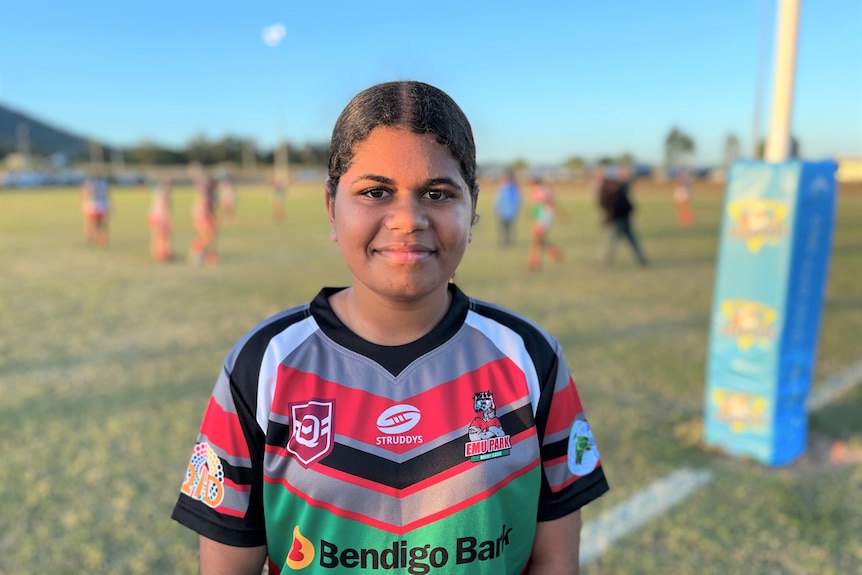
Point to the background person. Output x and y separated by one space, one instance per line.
160 220
682 197
96 208
507 205
227 198
543 206
338 433
617 207
205 222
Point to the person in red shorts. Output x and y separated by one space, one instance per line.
205 222
96 207
160 221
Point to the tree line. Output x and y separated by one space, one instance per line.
229 149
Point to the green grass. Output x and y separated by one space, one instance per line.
107 360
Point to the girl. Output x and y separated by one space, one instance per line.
395 424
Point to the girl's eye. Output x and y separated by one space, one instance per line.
436 195
376 193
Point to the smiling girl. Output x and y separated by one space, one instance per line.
340 435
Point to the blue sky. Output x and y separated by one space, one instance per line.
540 81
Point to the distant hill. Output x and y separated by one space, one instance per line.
44 139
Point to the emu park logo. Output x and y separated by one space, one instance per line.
749 323
758 222
740 411
487 438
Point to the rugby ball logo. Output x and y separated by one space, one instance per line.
399 418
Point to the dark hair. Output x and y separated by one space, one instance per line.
418 107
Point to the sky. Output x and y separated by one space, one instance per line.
540 81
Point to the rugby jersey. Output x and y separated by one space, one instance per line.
437 456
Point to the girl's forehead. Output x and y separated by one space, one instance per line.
400 148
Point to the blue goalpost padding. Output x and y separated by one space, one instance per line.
774 249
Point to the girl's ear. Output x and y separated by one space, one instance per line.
330 213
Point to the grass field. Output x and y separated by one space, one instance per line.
107 360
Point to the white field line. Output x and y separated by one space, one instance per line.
835 387
600 534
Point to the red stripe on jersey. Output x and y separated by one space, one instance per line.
223 430
566 404
453 401
236 486
569 481
232 512
396 529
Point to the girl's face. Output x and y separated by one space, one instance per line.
402 215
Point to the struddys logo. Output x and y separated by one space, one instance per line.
758 222
311 430
401 555
395 423
749 322
740 411
487 438
205 476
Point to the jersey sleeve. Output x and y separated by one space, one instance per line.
572 469
221 495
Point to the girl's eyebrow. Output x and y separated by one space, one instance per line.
442 181
389 181
374 178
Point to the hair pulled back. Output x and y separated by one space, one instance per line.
415 106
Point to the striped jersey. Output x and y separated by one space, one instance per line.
438 456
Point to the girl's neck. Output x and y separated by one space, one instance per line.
389 322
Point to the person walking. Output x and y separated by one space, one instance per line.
618 208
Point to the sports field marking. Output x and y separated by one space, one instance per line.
835 387
598 535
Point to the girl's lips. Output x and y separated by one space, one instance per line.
405 253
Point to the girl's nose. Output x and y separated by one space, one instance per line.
408 215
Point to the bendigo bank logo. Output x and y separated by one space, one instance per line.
749 322
311 430
398 556
758 222
487 438
205 476
301 551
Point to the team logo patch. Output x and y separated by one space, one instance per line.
205 476
758 222
749 322
301 552
399 418
487 438
583 454
311 430
740 411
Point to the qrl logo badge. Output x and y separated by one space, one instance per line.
311 426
